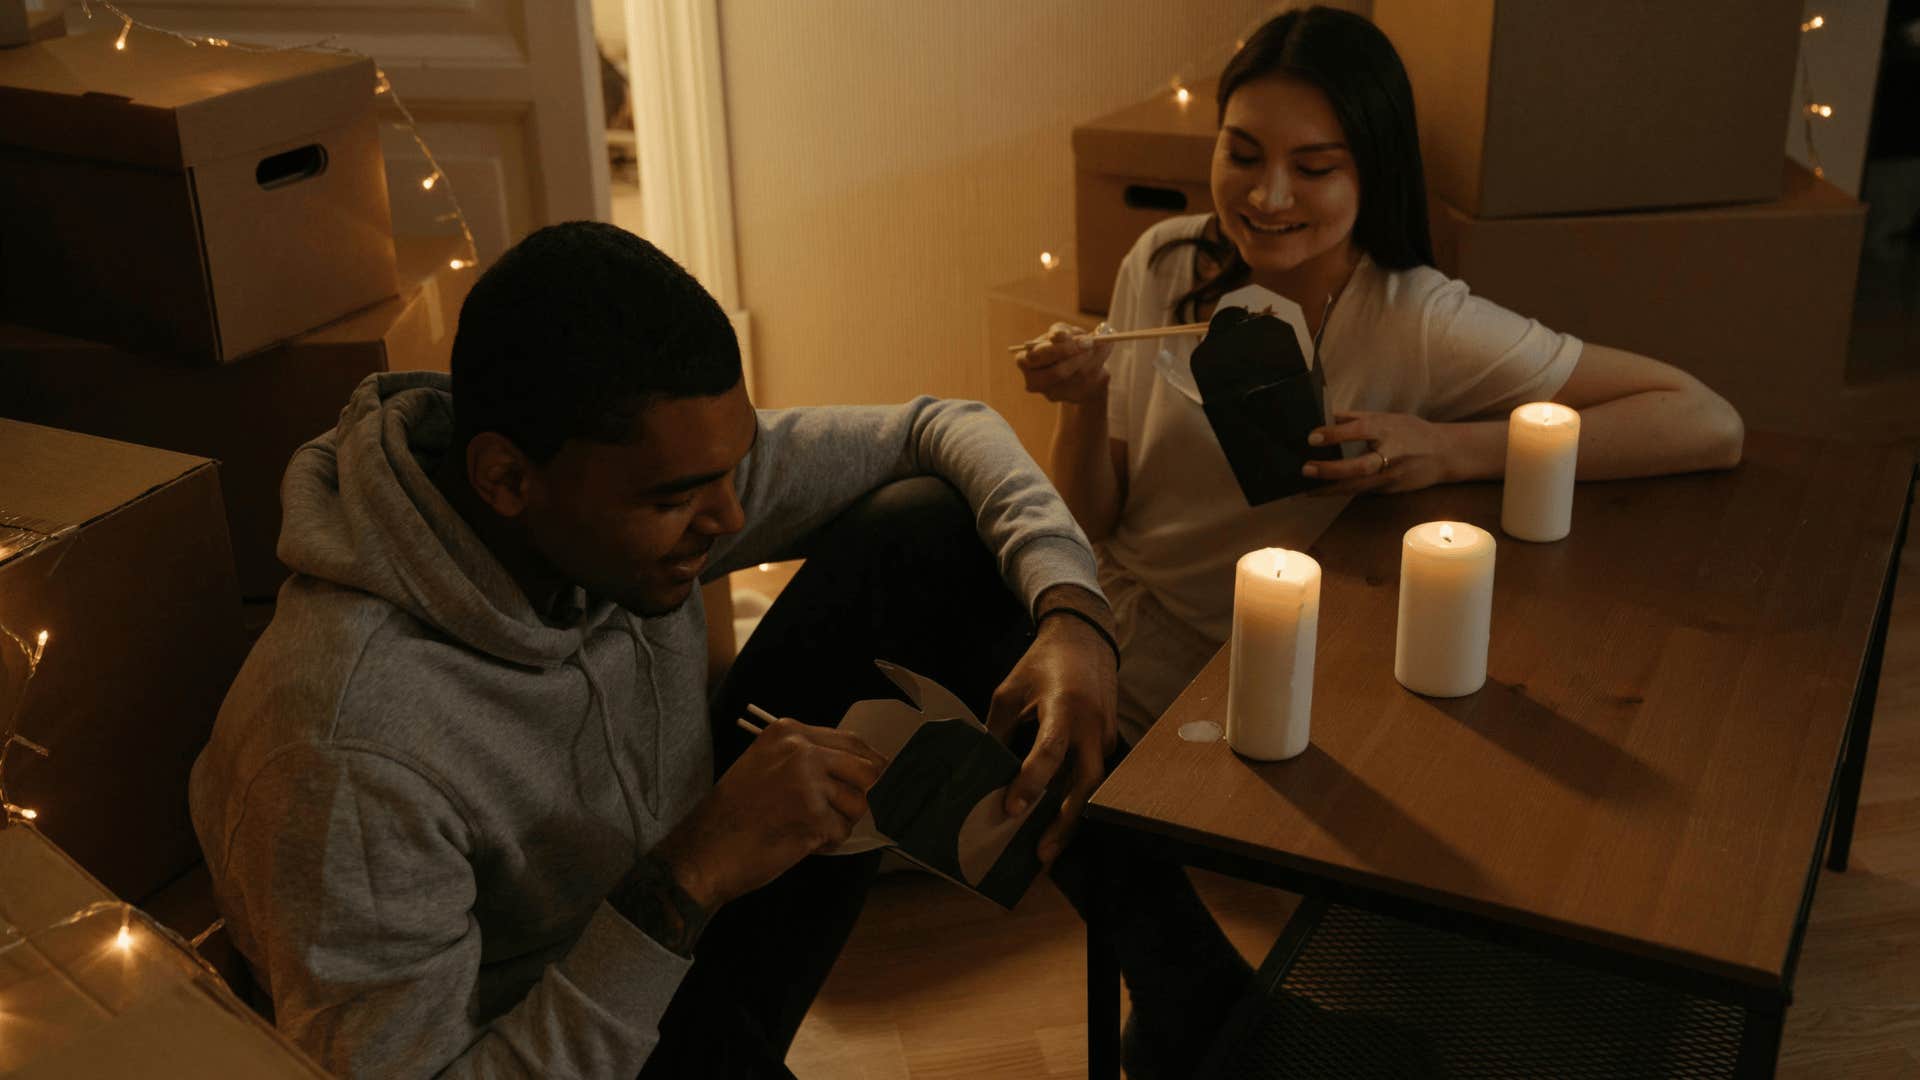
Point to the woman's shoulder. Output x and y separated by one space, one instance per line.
1412 289
1168 231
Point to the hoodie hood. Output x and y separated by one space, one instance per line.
357 501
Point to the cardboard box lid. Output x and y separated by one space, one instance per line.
1158 137
55 478
1802 195
163 103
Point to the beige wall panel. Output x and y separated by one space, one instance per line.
892 163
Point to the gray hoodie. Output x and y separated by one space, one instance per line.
418 794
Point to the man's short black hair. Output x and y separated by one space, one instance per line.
578 328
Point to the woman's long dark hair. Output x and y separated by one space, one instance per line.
1354 64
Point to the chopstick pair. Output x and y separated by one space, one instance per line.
749 726
1125 335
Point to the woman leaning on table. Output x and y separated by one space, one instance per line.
1318 196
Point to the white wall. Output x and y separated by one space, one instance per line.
1842 58
892 162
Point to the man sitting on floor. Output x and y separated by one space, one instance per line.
461 806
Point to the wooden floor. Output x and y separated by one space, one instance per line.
938 984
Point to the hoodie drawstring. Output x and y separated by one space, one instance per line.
653 684
606 733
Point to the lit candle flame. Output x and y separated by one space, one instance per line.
1446 534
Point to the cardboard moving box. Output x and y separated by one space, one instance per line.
23 22
1754 300
1570 106
77 1002
120 553
1132 168
250 415
199 202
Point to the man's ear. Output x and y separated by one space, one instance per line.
500 473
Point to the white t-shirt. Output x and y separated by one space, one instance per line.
1412 341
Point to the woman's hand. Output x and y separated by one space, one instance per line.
1404 453
1063 366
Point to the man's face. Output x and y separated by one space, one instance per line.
633 522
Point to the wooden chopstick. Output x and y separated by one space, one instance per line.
1127 335
748 725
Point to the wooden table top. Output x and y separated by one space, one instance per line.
1648 765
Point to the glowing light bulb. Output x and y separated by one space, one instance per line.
40 645
29 813
1182 95
219 41
427 184
126 27
458 264
1048 260
1814 23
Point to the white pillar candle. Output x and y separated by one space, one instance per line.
1543 440
1276 620
1446 609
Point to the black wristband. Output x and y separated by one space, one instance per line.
1105 634
652 900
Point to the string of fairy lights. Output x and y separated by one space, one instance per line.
32 648
435 178
1811 108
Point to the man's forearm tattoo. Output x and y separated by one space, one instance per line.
652 900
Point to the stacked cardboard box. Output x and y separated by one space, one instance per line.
23 22
119 554
91 988
1131 168
1632 191
251 414
195 202
196 253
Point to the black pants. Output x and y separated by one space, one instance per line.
900 576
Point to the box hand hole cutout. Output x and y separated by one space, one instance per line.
1147 197
291 167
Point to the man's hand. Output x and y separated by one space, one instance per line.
797 790
1067 682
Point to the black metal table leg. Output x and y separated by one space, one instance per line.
1760 1043
1103 967
1860 725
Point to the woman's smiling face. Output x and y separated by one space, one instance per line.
1284 181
